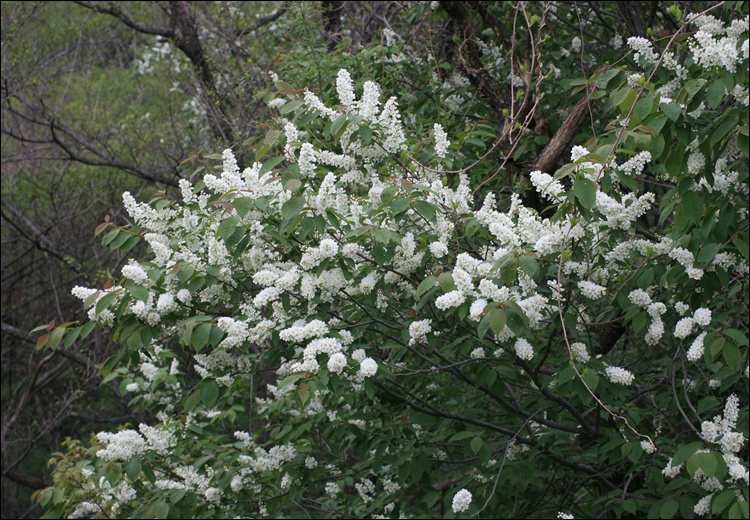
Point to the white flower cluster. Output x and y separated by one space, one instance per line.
580 352
546 185
686 259
123 445
635 165
418 330
368 367
135 272
710 51
644 50
619 375
461 501
591 290
524 350
441 140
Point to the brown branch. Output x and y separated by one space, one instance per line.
31 481
263 21
564 135
185 35
114 11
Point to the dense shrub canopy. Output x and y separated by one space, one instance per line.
407 296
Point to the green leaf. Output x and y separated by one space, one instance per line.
270 164
508 270
693 206
243 205
732 355
742 248
671 110
161 509
226 227
133 469
591 379
426 209
425 285
715 93
707 253
209 393
290 106
585 192
303 391
668 508
72 336
643 108
292 207
729 124
684 453
400 205
737 335
177 495
722 500
705 461
105 302
497 320
528 265
55 337
445 280
109 237
476 444
740 509
139 292
338 126
200 336
484 325
191 401
290 380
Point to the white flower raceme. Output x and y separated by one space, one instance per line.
441 140
702 317
524 350
639 297
579 349
546 185
134 272
337 363
449 300
368 367
438 249
418 330
619 375
461 501
591 290
684 328
123 445
696 349
345 88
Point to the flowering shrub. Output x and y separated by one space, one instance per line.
342 330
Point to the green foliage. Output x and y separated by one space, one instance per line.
343 331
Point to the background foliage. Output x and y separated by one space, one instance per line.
623 266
